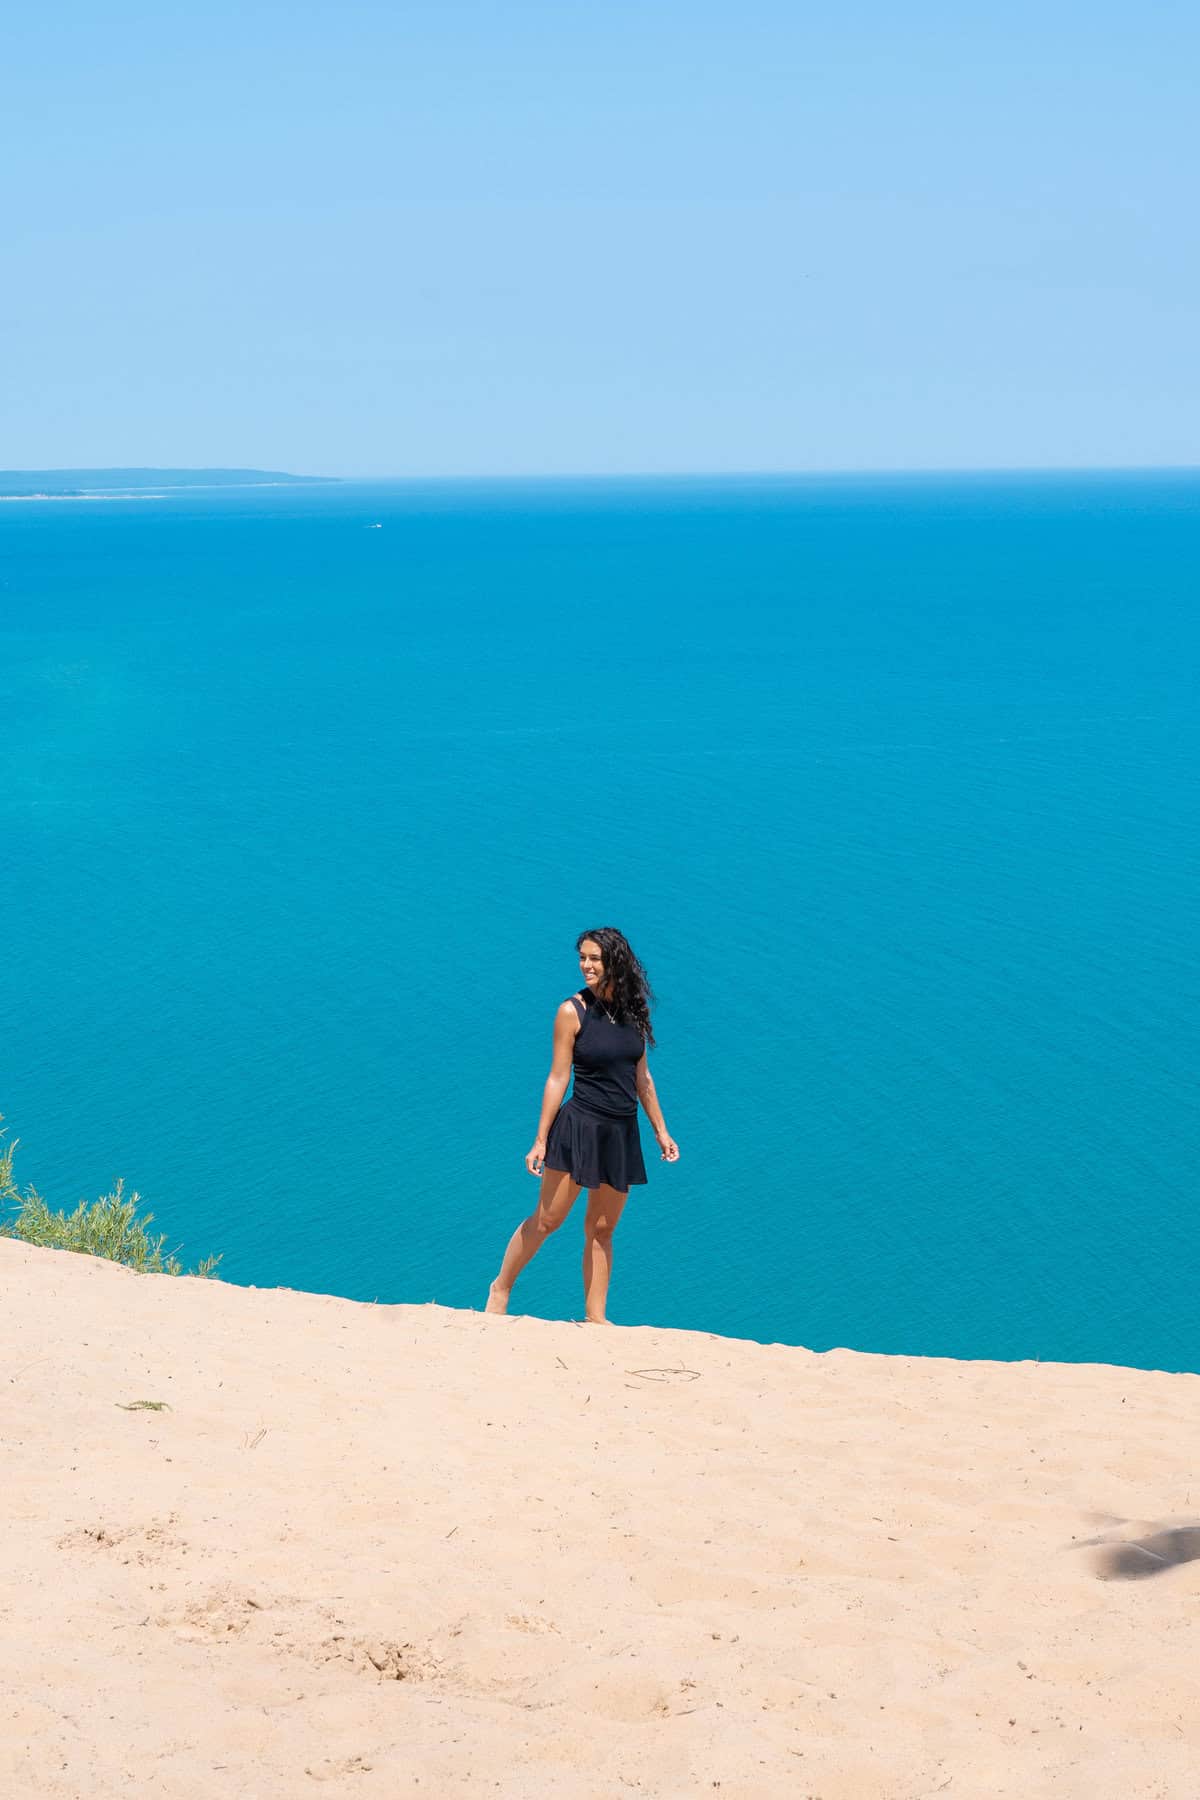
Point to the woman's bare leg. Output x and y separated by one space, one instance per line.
556 1197
605 1205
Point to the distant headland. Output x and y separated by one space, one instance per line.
68 484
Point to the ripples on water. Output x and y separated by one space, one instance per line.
892 783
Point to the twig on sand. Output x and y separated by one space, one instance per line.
29 1365
252 1443
666 1374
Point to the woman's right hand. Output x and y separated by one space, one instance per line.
535 1161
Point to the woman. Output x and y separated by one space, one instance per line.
592 1142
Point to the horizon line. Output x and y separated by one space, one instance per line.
797 474
680 474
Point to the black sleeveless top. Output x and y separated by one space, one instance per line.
606 1059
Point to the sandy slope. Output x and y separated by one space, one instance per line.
387 1551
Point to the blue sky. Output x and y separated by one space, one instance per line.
461 238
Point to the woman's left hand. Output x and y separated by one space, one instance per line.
669 1148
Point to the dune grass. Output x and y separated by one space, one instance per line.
109 1227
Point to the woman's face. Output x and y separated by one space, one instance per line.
591 963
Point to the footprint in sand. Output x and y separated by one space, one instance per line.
222 1614
135 1543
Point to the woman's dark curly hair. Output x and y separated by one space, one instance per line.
632 995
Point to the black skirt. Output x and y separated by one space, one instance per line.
596 1151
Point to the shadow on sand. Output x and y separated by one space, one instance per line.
1132 1559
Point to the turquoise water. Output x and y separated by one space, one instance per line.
892 783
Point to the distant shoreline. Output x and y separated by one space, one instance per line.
131 483
160 493
16 498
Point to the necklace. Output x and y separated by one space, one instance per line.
605 1010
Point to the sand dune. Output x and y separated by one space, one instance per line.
375 1551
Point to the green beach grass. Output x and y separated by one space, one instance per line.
110 1227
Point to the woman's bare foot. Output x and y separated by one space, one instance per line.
497 1300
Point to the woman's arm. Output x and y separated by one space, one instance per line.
566 1030
648 1096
